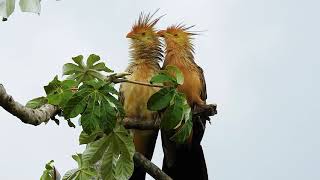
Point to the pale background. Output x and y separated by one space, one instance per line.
261 61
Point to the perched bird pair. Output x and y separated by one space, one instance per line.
181 161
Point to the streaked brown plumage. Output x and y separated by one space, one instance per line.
185 161
145 51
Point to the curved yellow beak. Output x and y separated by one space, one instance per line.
129 35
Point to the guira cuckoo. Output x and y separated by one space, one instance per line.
185 161
146 53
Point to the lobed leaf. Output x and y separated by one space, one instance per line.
99 109
81 72
37 102
92 59
77 103
83 172
116 152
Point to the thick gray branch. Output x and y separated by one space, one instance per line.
26 115
151 169
47 111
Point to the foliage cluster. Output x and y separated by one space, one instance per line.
87 93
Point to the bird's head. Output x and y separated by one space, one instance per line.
177 36
143 31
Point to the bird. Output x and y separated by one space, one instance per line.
145 55
185 161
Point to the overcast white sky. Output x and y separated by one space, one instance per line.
261 61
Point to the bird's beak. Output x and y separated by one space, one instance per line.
129 35
161 33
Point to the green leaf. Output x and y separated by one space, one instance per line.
84 138
95 150
184 131
99 109
115 102
70 68
108 116
30 6
59 93
177 73
7 8
161 99
77 103
52 86
172 116
91 116
162 78
37 102
92 59
102 67
184 127
78 60
83 172
81 72
109 88
71 174
49 172
170 76
116 152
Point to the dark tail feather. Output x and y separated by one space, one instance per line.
138 173
185 161
189 164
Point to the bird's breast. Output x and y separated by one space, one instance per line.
137 96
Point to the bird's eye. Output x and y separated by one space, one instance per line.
143 33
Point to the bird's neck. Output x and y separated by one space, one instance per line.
179 56
144 53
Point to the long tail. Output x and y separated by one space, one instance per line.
144 142
185 161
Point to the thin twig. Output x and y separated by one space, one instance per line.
121 78
137 82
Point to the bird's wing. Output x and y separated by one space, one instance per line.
121 96
203 92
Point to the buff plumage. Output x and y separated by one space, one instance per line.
185 161
145 54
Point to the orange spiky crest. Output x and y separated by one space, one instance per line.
178 38
145 43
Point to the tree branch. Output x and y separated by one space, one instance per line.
121 78
151 169
130 123
26 115
47 112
